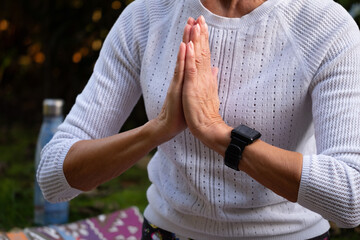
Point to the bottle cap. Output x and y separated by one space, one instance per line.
53 107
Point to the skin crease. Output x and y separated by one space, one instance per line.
192 101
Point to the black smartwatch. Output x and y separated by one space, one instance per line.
240 138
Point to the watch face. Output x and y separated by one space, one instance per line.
245 133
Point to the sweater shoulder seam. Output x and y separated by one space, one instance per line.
295 48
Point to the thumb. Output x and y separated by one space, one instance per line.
180 64
214 71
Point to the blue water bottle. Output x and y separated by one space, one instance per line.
46 213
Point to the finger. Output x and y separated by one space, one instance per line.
215 84
186 35
214 71
201 21
195 39
181 60
204 32
191 21
175 88
180 63
203 27
190 66
204 36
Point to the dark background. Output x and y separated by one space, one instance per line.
48 50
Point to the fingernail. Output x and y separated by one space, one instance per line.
181 44
197 26
202 19
191 45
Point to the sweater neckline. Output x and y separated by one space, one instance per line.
225 22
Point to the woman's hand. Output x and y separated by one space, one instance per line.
170 120
200 92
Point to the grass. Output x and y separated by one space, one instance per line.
17 145
127 190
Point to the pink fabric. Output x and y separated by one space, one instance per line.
119 225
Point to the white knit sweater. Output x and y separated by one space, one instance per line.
290 69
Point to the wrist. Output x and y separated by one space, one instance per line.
241 137
157 132
217 137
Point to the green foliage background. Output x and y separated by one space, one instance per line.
47 50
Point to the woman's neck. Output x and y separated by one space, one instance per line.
231 8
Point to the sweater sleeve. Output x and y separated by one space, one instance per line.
105 103
330 182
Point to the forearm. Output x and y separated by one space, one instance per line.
90 163
273 167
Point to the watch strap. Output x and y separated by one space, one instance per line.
233 153
241 136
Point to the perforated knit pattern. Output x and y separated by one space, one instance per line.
282 67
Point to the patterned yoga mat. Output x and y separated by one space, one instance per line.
120 225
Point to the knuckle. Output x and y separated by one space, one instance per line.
176 72
198 61
205 52
191 70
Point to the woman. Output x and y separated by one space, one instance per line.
283 69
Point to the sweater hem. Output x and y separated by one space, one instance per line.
312 231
